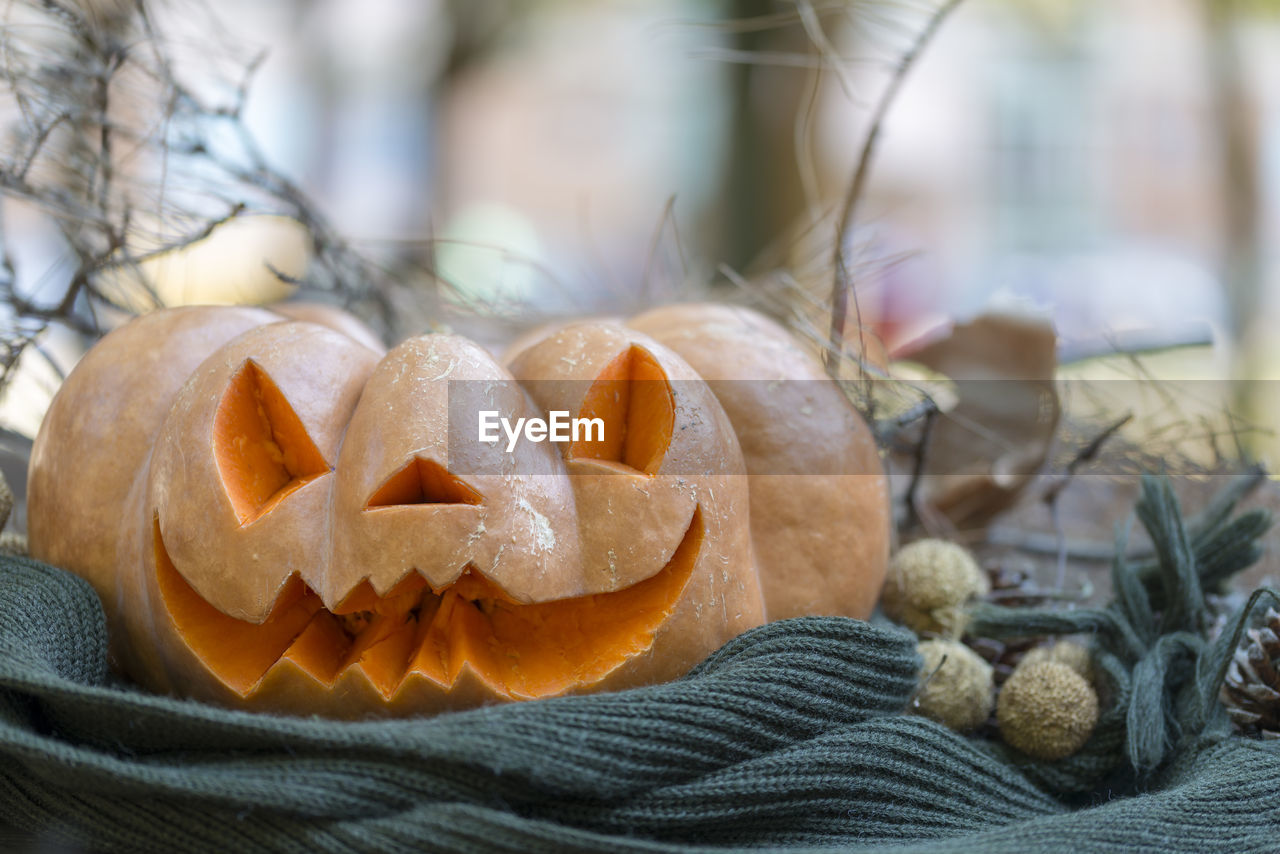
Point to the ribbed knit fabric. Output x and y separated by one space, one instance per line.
790 737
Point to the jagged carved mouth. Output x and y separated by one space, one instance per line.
520 650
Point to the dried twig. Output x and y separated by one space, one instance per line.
125 180
918 466
840 284
1087 453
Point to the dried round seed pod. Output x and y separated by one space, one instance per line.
957 689
929 585
1074 655
13 544
1047 710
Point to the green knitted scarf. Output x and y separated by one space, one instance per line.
791 737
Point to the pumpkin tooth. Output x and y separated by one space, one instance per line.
318 651
468 632
384 659
540 650
403 597
238 652
431 655
474 587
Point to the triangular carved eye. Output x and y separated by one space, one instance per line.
262 450
422 482
633 398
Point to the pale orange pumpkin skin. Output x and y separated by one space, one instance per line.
196 561
99 431
820 514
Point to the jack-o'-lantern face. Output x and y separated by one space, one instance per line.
320 527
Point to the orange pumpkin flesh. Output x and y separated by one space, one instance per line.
422 482
630 390
240 652
525 651
262 450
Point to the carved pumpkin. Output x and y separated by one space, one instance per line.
281 517
820 514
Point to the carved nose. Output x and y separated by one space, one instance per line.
422 481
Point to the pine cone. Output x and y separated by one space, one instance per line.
1251 691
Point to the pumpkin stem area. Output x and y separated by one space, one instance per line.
522 651
262 450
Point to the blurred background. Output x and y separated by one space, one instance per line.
1113 165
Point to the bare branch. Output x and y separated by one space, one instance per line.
125 180
840 286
